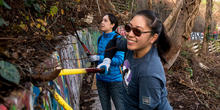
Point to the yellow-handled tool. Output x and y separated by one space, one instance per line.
80 71
60 100
60 72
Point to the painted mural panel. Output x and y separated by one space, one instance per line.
69 55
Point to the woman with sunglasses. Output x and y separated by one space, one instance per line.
109 85
144 79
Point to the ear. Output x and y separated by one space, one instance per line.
154 38
112 25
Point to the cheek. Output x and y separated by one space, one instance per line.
141 43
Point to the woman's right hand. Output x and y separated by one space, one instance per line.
105 65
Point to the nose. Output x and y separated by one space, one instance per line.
101 22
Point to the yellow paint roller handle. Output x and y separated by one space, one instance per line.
61 101
72 71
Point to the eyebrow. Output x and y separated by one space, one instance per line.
136 26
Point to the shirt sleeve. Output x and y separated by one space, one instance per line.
101 58
118 58
117 44
150 90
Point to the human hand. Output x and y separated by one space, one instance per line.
105 65
93 58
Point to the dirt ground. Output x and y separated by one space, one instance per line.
192 87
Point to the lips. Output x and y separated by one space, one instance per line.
101 25
129 42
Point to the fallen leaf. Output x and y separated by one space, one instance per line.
38 26
23 26
62 11
48 36
43 28
44 23
60 33
32 24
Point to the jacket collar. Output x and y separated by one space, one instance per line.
108 34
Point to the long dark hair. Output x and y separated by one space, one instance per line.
113 20
163 42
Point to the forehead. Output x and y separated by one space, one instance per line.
139 21
106 17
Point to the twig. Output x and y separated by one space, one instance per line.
198 98
8 38
132 6
30 16
53 22
182 82
97 1
174 3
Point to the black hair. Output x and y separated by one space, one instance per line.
163 42
113 20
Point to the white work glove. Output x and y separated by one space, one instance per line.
105 65
93 58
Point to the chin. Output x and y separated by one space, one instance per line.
101 29
131 47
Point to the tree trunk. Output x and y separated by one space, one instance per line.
208 19
179 26
150 4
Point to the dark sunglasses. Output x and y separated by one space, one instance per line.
136 31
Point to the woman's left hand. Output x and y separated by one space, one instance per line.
93 58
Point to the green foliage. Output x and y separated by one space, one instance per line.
217 96
170 72
9 72
13 107
3 22
53 10
129 4
32 3
28 3
211 83
3 3
37 7
184 53
45 1
189 69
